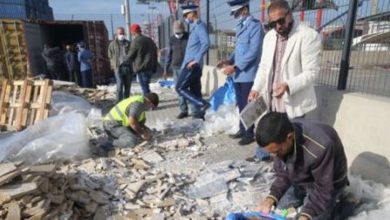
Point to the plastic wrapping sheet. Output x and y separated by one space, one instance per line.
63 137
63 102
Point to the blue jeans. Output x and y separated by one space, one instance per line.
86 78
182 101
189 86
144 80
123 83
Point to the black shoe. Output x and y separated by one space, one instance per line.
205 107
182 115
236 135
198 115
246 140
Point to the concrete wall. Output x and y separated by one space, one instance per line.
212 79
362 122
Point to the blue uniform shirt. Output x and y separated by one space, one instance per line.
247 54
85 57
198 44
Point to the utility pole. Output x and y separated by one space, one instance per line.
112 27
344 64
128 18
208 29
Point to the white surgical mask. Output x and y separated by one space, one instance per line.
121 37
179 35
188 21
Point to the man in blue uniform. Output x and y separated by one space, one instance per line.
188 84
245 59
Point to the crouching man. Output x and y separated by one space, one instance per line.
309 162
125 122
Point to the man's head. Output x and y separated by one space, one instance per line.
151 100
178 28
120 33
275 133
190 13
280 17
135 30
68 47
81 45
239 8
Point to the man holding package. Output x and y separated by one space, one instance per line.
244 61
309 162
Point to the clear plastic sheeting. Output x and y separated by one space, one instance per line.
375 199
63 137
223 121
63 102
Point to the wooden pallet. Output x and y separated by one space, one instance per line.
24 103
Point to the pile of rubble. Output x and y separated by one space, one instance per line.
128 184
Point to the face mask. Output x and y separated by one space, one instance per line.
121 37
179 35
241 18
188 21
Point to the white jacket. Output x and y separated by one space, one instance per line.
300 68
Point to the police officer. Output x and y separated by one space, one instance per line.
245 59
188 84
125 122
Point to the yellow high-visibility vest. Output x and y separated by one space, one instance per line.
118 112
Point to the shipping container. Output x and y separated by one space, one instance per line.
21 46
26 9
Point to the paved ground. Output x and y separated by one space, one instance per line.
221 146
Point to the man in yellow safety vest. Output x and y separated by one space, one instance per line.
125 122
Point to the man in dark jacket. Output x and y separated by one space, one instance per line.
143 54
177 50
309 162
71 64
117 53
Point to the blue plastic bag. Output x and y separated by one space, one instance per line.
223 95
245 215
167 83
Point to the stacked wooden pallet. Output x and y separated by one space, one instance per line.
23 103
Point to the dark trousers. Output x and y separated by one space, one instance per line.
189 86
123 77
86 78
73 75
144 80
242 93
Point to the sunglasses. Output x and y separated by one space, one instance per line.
280 21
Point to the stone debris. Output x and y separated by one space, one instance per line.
131 183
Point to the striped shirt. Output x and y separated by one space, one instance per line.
277 104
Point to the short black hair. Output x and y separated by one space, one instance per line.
279 4
273 128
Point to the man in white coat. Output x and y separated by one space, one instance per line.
289 66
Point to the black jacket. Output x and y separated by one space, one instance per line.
177 50
143 53
318 162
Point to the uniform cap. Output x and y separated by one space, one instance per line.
236 5
189 8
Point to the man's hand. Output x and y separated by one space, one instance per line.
165 75
266 206
191 65
280 89
303 217
253 95
145 135
229 70
223 63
